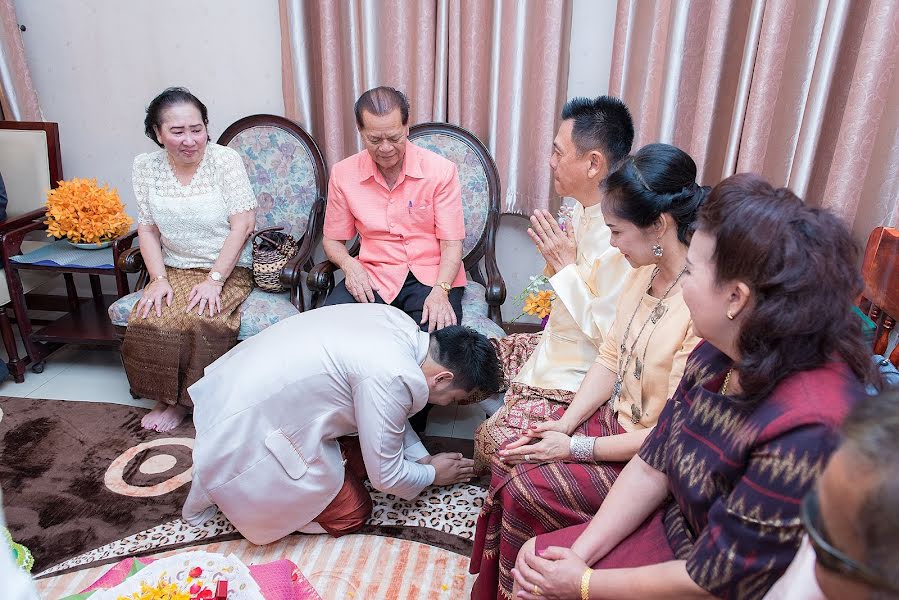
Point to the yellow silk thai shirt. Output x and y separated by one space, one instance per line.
586 294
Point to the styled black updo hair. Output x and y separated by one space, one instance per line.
658 179
170 97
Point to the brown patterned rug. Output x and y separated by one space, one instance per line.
83 484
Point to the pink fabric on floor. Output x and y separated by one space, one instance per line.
278 580
115 575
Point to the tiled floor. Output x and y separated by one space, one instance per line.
85 375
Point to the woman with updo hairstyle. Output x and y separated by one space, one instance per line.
770 285
559 461
196 213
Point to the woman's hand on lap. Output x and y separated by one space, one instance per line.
205 295
554 446
153 296
556 575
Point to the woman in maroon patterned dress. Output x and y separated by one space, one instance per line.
710 505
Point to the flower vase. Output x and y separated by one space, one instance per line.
89 245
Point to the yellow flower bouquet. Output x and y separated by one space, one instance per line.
536 302
85 213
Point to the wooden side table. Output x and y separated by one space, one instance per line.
86 320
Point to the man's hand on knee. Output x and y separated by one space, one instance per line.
358 283
451 467
437 311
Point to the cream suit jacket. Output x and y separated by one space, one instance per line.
269 412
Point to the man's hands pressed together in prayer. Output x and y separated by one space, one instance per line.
451 467
558 247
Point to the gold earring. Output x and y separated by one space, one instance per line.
730 315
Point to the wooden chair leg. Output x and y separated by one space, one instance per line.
16 365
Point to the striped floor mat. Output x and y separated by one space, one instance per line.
358 567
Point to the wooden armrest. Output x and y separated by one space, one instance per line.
292 272
130 261
29 217
496 287
321 276
124 242
11 239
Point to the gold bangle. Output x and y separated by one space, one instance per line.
585 584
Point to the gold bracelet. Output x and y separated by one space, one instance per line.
585 584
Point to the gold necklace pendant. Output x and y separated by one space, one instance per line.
723 390
635 414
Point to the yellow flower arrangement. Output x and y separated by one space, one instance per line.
84 212
163 590
539 304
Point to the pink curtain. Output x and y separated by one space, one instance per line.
499 69
18 98
805 93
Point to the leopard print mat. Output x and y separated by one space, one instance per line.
439 516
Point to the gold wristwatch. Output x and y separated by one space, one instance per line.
446 287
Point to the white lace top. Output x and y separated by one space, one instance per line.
193 218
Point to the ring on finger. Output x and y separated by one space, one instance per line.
536 590
527 458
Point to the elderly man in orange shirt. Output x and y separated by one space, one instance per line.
405 203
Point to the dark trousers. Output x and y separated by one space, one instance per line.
410 300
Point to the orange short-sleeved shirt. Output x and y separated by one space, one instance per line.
399 229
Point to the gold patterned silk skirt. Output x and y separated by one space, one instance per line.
165 355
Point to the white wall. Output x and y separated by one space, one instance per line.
97 63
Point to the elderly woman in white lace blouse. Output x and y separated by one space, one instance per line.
196 213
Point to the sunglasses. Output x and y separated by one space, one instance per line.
831 558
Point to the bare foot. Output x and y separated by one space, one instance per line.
171 418
151 419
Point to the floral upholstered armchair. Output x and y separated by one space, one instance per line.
287 172
480 201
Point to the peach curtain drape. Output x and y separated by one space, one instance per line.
802 91
499 69
18 98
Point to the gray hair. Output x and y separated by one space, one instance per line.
871 432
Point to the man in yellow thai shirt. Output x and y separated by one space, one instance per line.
586 274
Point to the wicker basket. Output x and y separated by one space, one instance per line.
271 251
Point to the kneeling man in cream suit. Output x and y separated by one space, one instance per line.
291 420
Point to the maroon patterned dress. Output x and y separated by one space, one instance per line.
737 475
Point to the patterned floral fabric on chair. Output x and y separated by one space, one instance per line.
287 172
474 311
259 310
472 178
280 166
480 203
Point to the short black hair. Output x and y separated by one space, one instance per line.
470 356
871 434
381 101
659 178
170 97
603 123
